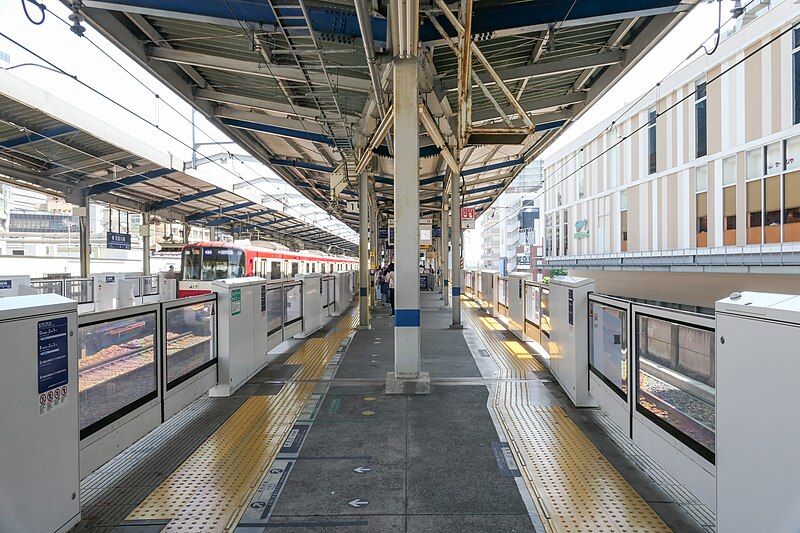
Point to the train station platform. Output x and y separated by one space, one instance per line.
311 443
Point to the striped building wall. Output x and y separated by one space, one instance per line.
752 165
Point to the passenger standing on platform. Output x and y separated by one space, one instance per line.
385 284
390 281
378 276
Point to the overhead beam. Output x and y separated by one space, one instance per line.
163 204
239 66
267 106
33 136
109 186
502 19
277 130
532 106
539 70
221 210
256 15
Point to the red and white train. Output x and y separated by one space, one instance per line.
204 262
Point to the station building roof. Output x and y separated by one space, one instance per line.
52 146
289 80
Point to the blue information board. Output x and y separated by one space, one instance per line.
118 241
53 352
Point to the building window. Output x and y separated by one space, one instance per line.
755 218
729 170
581 174
791 207
796 74
729 215
772 210
754 164
565 230
611 154
774 159
651 141
700 122
557 234
548 235
701 206
792 158
623 220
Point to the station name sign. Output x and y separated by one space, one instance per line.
118 241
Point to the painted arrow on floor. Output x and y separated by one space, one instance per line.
362 469
358 503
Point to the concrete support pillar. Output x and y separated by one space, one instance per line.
406 377
146 244
444 245
363 250
455 223
84 230
373 239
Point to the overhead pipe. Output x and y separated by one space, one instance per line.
365 26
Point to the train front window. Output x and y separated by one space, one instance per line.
192 263
209 264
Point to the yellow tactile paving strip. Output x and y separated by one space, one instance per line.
514 360
574 487
209 490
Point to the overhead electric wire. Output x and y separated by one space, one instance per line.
645 93
170 106
672 106
129 173
60 70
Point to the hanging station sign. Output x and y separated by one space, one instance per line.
467 218
118 241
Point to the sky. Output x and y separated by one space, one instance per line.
154 103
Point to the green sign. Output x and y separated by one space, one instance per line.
582 229
236 302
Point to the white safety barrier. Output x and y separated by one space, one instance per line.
650 368
39 478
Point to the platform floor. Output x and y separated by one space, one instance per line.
312 443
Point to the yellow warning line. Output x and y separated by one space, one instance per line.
573 486
210 490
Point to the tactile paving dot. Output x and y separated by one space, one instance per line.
210 489
573 485
580 489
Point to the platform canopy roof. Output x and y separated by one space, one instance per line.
49 145
295 82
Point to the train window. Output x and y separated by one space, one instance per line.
295 267
313 267
308 267
323 268
209 264
275 272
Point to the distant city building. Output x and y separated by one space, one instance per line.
511 227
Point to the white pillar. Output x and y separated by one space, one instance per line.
84 229
444 245
455 223
146 244
363 250
406 377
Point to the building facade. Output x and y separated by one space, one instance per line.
511 228
707 163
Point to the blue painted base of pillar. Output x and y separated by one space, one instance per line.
407 318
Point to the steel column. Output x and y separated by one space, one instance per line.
406 214
146 244
363 250
444 247
455 223
84 228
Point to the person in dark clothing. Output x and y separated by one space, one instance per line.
390 282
